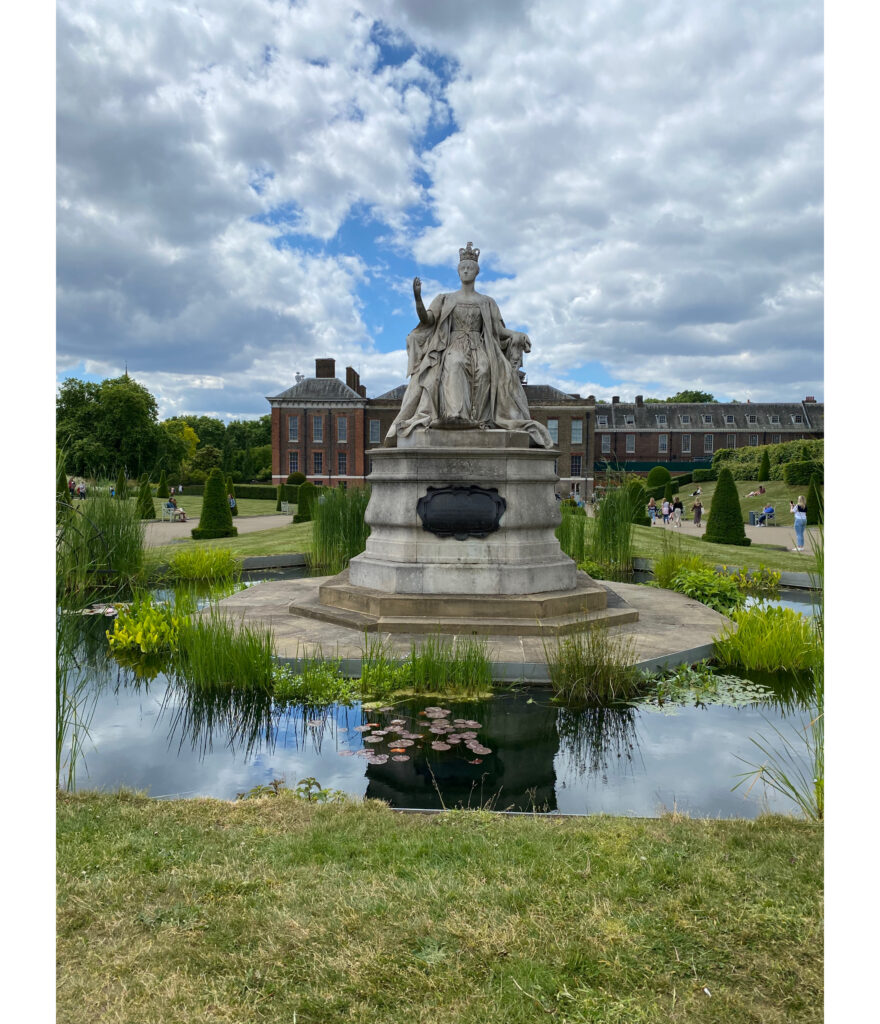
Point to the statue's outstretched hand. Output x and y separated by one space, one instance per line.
417 287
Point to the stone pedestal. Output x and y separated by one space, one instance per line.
521 557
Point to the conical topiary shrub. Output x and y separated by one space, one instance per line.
638 500
121 485
62 491
814 502
667 491
725 524
162 489
764 468
145 509
230 493
216 519
308 494
282 496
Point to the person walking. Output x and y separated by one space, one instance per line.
800 522
698 512
652 510
665 509
677 510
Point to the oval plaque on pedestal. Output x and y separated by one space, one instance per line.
461 512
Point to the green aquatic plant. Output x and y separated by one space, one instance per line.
673 559
75 699
593 667
699 685
217 651
340 530
381 672
709 587
204 564
308 789
316 682
769 638
441 665
570 532
146 627
611 541
762 580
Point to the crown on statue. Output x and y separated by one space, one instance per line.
470 253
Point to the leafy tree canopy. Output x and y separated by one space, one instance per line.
691 396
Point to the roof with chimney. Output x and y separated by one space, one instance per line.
544 393
318 389
772 417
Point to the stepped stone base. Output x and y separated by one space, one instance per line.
548 614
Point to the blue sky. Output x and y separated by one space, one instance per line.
245 187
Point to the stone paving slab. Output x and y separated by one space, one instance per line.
672 629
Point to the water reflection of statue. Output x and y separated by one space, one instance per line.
463 364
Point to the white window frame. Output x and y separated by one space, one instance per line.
731 440
707 420
577 427
776 438
685 444
708 444
661 419
576 467
663 443
753 440
293 428
601 421
342 429
318 428
774 418
686 418
375 427
342 463
606 444
728 419
316 458
797 418
293 462
629 419
553 428
751 419
630 444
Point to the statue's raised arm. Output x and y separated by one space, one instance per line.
463 364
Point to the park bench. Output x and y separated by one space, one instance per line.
285 507
171 515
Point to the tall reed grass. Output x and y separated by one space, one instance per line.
75 699
593 667
340 530
611 541
441 665
204 564
216 652
571 532
768 638
672 560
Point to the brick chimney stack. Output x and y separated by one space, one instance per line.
615 399
640 400
352 378
325 367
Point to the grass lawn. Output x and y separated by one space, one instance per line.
281 540
276 909
648 543
778 493
193 505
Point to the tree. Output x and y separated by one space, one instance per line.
230 493
205 459
725 525
638 501
162 489
247 463
145 507
208 429
764 468
691 396
121 486
296 478
178 443
815 505
216 518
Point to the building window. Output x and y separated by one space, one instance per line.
728 419
776 439
752 419
577 431
630 444
319 462
575 465
553 427
293 428
774 418
342 469
707 420
606 444
341 428
602 421
797 418
629 419
374 432
661 419
293 462
708 443
685 444
753 440
685 418
731 440
663 443
317 428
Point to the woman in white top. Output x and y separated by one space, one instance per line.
800 521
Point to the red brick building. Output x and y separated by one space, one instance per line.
325 429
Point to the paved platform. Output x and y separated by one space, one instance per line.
672 630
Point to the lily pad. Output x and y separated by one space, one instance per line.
438 745
400 757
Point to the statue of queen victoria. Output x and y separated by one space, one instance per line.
463 364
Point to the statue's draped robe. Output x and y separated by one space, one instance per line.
426 349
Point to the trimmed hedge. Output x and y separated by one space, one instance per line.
216 518
296 479
162 489
659 476
814 503
799 474
702 475
145 509
308 495
725 525
262 492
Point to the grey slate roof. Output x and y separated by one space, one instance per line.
733 416
546 393
319 389
394 395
